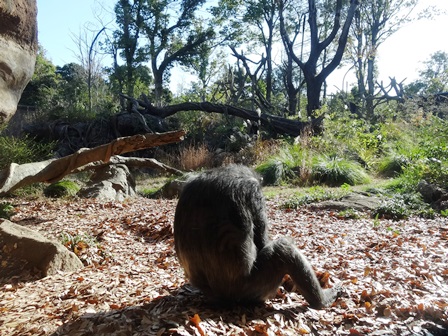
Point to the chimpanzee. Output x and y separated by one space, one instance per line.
221 240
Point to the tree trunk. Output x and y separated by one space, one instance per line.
158 87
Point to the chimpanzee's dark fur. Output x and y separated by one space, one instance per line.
221 239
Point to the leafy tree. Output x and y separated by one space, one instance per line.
206 67
163 33
130 17
42 91
262 17
318 45
73 87
374 22
433 77
175 35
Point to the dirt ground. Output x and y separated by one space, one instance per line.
394 273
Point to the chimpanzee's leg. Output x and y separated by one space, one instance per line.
281 257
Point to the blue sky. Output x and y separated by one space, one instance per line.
400 56
59 20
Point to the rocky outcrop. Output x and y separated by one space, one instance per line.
18 47
434 195
19 243
355 201
110 183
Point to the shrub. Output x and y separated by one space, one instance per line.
401 206
195 157
273 172
392 209
392 165
335 171
290 164
23 150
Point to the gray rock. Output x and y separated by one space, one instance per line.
110 183
173 188
21 243
430 192
355 201
18 47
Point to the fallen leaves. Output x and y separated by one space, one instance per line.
394 273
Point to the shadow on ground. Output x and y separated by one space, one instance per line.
171 315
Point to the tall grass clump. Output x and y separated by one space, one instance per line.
335 171
289 165
272 171
392 165
194 157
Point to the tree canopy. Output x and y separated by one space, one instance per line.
274 56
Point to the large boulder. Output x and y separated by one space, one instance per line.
19 243
18 47
110 183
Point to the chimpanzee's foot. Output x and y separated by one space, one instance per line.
329 296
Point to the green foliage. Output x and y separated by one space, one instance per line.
149 192
392 208
31 191
335 171
402 205
376 221
289 165
273 172
62 189
23 150
63 92
42 91
433 77
7 210
428 156
348 214
444 213
392 165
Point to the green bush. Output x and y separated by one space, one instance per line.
6 210
401 206
289 165
336 171
392 165
273 172
23 150
392 208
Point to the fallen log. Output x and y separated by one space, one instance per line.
274 123
53 170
